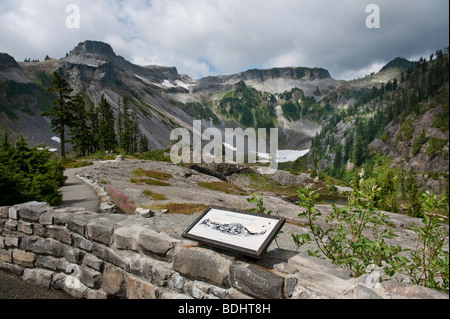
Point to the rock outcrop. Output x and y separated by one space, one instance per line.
224 83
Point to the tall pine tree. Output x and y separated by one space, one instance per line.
106 131
358 150
415 208
60 109
126 131
134 131
92 115
79 130
128 128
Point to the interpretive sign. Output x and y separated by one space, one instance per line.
246 233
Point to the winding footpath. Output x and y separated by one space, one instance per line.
77 193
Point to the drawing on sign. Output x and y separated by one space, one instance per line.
236 229
243 232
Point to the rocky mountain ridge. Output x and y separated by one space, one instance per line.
93 68
254 77
95 54
159 94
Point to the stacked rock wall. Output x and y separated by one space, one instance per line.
92 255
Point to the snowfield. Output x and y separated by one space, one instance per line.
283 156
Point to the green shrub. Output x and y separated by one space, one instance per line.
261 209
345 241
155 155
418 142
436 145
28 174
429 265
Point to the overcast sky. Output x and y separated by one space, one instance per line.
213 37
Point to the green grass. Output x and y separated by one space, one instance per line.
152 174
183 209
264 184
72 163
154 155
150 177
154 195
148 181
223 187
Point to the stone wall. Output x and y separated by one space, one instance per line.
93 255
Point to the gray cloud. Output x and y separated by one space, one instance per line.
204 37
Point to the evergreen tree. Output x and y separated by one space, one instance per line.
402 182
28 174
356 185
143 144
415 208
5 145
11 179
119 124
127 131
60 109
134 131
314 172
395 83
348 148
388 185
106 131
371 130
79 129
128 128
418 142
337 163
413 103
92 115
358 150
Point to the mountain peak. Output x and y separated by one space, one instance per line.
400 63
92 53
97 47
7 61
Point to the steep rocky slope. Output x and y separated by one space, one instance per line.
406 121
157 93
